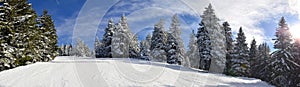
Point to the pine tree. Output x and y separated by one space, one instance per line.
239 64
81 49
260 67
107 40
173 50
253 57
283 69
49 38
134 47
217 37
204 46
23 40
193 52
25 31
145 48
296 49
6 57
283 36
283 66
229 44
158 42
175 30
69 50
97 48
133 41
120 42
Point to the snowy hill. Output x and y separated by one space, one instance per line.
88 72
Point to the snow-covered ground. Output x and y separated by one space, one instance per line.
88 72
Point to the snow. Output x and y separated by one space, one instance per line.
115 72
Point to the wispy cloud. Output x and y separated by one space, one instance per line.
246 13
144 14
295 7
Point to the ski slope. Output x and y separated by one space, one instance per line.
115 72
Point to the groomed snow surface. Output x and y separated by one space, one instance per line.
115 72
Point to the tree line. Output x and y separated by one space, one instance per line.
211 48
25 38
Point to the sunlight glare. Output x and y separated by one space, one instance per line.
295 30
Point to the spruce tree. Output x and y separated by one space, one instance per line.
49 37
145 48
296 49
204 46
120 42
193 52
133 41
158 42
175 30
217 37
260 67
239 64
6 55
81 49
229 44
25 32
283 66
173 50
283 36
97 47
253 57
134 47
107 40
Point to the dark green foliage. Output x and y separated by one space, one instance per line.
173 55
229 44
252 57
21 38
238 64
204 46
48 41
105 51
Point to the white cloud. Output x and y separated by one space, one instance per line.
295 7
88 20
246 13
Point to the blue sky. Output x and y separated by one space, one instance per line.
87 19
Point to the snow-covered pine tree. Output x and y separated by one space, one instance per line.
158 42
145 48
133 41
6 57
252 57
49 38
260 66
173 50
193 52
107 40
229 44
204 46
26 32
70 48
175 30
82 50
296 49
239 64
120 42
217 36
283 38
134 47
283 64
97 47
60 50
